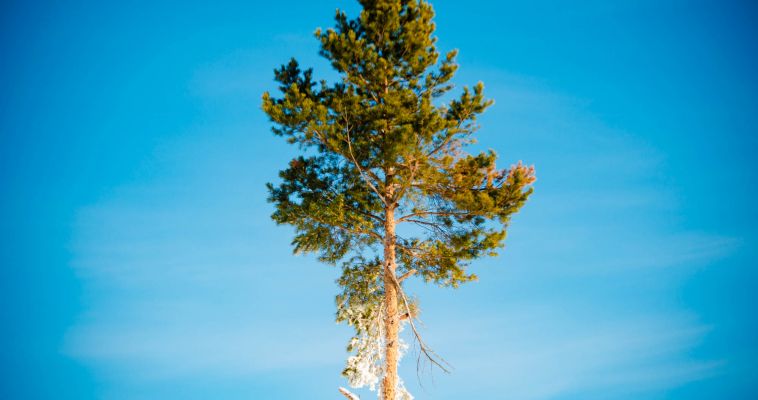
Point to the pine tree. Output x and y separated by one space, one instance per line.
382 152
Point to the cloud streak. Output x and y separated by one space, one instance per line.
538 352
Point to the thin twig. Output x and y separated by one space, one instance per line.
428 352
347 394
406 275
405 218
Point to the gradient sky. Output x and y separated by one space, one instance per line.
139 262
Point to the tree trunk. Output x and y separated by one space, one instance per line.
391 320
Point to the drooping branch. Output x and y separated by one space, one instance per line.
433 357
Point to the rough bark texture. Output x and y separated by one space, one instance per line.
391 320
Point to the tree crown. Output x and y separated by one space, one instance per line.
379 140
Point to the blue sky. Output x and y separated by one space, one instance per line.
139 262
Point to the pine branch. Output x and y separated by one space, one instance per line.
360 170
344 229
358 210
408 217
411 167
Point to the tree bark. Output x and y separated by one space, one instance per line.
391 318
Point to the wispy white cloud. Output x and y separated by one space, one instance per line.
186 277
540 352
203 348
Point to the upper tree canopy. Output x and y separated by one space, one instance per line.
380 139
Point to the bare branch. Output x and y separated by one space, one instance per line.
406 275
407 217
433 357
347 394
423 223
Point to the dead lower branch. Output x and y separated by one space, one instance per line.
433 357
